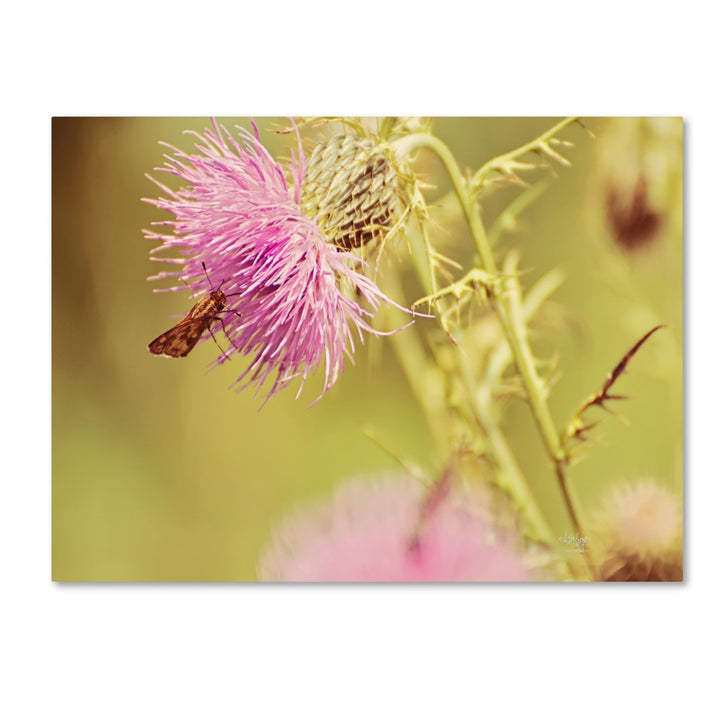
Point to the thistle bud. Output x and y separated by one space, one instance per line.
640 166
350 190
639 526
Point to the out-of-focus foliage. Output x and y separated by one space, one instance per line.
161 473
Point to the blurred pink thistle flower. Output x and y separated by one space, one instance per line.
238 216
371 532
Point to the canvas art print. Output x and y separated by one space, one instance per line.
368 349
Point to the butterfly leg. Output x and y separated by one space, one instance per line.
239 314
212 335
217 317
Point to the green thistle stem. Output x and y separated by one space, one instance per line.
410 142
505 459
501 452
506 304
418 371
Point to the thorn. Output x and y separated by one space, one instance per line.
601 404
585 128
575 429
555 155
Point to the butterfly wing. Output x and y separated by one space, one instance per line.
178 341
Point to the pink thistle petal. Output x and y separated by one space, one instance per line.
238 216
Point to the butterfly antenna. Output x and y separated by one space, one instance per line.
208 278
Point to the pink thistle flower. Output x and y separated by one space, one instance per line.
239 217
385 531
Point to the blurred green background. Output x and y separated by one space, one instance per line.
161 473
